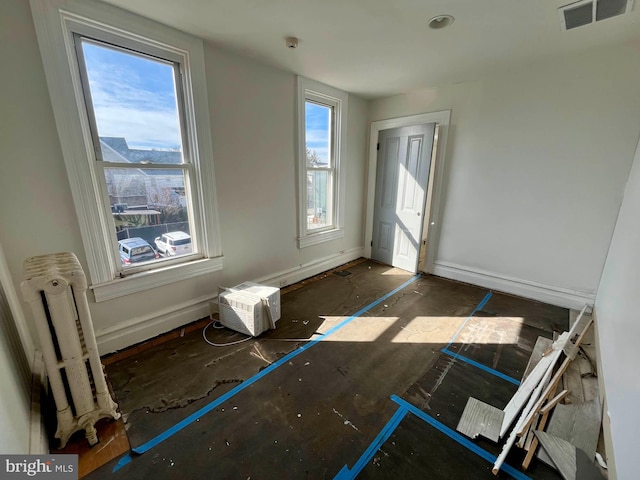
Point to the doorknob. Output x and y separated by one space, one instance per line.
418 213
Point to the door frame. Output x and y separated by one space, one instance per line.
435 194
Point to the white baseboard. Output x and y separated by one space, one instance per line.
306 270
38 440
145 327
560 297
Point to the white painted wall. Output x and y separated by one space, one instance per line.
619 330
15 379
15 401
36 209
536 162
252 116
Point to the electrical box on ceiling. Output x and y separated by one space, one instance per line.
586 12
249 308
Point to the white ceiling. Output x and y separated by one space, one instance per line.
377 48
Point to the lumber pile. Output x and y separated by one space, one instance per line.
571 432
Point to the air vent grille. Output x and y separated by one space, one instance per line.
610 8
586 12
578 16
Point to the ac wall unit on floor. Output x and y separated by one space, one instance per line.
249 308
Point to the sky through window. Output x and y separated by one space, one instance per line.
134 97
317 123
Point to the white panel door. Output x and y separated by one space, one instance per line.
402 177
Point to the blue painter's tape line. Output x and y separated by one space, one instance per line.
365 458
344 474
250 381
480 306
123 461
464 441
498 374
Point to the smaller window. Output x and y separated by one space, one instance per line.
318 119
322 139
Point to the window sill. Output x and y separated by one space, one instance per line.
320 237
142 281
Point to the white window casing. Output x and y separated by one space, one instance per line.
312 91
56 22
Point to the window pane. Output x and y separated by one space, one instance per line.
134 104
610 9
319 208
145 204
318 134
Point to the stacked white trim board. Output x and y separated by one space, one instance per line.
531 404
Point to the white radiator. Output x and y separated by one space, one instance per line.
55 288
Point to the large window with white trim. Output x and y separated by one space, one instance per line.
135 107
134 127
322 139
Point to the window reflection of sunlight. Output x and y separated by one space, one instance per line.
428 330
494 330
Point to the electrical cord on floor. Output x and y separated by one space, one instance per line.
217 325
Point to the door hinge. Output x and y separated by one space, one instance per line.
372 243
378 146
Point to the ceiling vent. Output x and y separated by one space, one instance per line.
586 12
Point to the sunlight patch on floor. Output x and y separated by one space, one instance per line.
425 329
397 271
360 329
428 330
494 330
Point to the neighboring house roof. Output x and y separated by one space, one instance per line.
155 156
116 149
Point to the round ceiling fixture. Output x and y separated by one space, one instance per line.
440 21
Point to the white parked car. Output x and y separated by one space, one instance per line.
174 243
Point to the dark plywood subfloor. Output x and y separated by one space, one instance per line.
321 409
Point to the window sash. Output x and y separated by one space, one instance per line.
330 203
123 270
177 68
331 151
